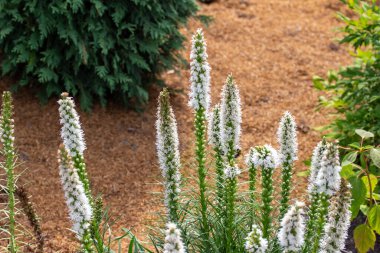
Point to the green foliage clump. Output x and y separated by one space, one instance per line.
354 90
91 49
361 167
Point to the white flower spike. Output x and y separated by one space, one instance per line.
173 241
328 178
80 210
255 243
168 153
287 138
214 127
71 131
291 234
230 112
316 165
199 73
265 157
338 222
231 172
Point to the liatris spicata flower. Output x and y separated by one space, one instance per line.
214 141
230 118
199 73
314 212
327 183
80 210
73 138
7 139
199 101
291 234
265 157
71 131
168 153
316 164
173 240
255 243
328 177
338 222
287 138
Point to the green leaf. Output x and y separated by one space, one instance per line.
375 156
374 218
358 191
364 209
347 171
350 158
371 181
364 238
364 134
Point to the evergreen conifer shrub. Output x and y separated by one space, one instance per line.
91 49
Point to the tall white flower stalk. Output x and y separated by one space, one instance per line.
199 74
168 154
255 243
250 161
291 234
215 141
7 140
338 221
315 197
287 138
230 119
327 183
199 100
73 138
173 240
265 157
78 203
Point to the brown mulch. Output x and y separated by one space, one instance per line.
272 48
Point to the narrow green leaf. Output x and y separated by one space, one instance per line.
370 183
350 158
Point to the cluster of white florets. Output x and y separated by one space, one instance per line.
214 127
265 157
255 243
328 177
291 234
287 138
173 240
231 172
316 160
167 145
338 222
80 210
199 73
71 131
230 115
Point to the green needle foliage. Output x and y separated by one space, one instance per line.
92 49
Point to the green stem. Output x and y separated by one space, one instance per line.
231 195
321 220
312 221
252 191
267 197
201 159
285 187
220 192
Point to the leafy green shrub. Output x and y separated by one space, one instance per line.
361 167
354 91
92 49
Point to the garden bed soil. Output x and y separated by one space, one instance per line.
272 47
